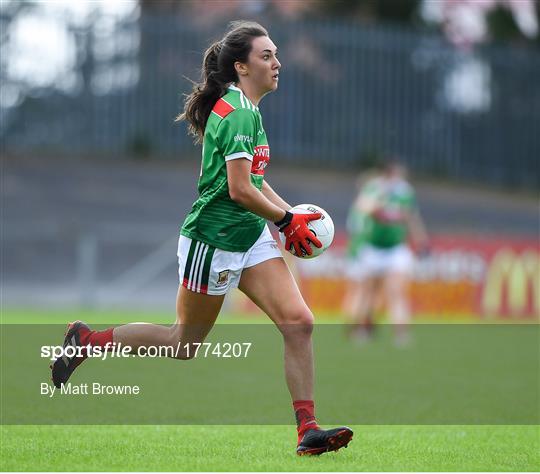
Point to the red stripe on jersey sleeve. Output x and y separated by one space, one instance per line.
222 108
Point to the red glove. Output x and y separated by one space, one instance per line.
297 233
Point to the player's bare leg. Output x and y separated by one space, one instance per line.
271 286
361 308
396 286
196 315
351 303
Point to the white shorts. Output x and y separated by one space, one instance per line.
373 262
209 270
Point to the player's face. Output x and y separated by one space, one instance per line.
397 172
263 65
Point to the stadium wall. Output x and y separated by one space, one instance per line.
488 279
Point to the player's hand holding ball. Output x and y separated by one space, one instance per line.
306 231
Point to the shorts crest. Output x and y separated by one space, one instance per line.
223 278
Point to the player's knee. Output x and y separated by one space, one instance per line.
179 349
306 320
184 351
298 322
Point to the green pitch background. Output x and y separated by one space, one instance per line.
266 448
253 448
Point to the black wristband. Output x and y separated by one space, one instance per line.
285 221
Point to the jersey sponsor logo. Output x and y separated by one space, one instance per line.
222 108
223 278
243 138
260 159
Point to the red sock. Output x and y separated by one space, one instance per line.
305 417
97 338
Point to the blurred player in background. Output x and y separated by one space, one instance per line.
225 241
382 218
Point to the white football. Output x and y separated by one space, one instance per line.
323 229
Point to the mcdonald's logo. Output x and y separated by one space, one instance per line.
515 276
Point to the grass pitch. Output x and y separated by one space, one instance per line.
266 448
250 447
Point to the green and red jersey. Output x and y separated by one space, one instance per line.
234 131
393 198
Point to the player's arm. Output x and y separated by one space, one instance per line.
274 197
294 226
373 205
417 229
242 191
367 204
238 157
369 200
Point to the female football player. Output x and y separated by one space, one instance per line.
225 241
382 218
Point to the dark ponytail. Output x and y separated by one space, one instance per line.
217 73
